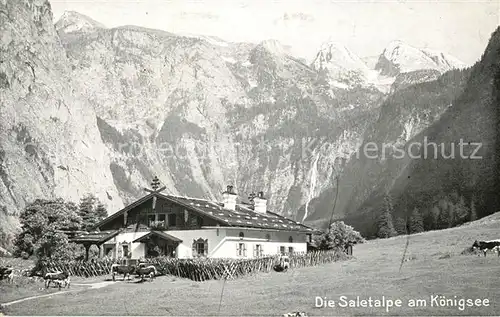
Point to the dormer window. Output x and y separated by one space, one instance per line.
290 239
242 235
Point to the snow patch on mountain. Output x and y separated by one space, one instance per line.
72 21
399 57
336 56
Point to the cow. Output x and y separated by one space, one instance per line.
283 265
486 246
126 270
295 314
59 278
144 270
7 272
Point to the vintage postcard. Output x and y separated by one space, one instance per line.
249 158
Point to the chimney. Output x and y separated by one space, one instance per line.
229 198
260 203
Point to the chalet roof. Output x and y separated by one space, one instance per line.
96 237
242 216
160 234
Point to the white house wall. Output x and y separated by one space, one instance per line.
254 237
222 242
138 249
185 251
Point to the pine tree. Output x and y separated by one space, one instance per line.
92 211
435 211
452 216
473 212
416 221
101 211
385 223
443 220
400 225
461 211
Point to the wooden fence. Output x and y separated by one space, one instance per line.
202 269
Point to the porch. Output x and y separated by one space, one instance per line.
158 243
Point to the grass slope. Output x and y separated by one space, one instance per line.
436 268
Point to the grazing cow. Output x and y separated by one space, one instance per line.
486 246
59 278
7 272
126 270
144 270
283 265
296 314
497 250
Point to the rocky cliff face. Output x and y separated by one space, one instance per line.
399 57
377 162
460 106
90 109
207 113
50 144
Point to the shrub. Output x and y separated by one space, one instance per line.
339 236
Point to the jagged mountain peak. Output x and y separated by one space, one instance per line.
399 57
72 21
335 54
274 47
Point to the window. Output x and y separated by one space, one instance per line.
172 220
170 250
241 249
108 251
200 247
125 251
156 221
282 250
290 239
151 219
290 250
257 251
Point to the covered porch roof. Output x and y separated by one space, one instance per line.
97 237
160 234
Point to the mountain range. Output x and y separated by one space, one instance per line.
90 109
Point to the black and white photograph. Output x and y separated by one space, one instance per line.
263 158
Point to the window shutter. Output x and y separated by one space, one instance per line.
237 249
205 247
279 250
255 251
194 249
244 249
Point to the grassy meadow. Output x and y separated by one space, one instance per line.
435 267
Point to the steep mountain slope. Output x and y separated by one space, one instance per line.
92 109
372 168
50 144
470 170
341 66
399 57
470 102
202 113
72 21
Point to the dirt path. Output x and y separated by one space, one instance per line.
89 286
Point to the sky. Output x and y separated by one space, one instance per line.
460 28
